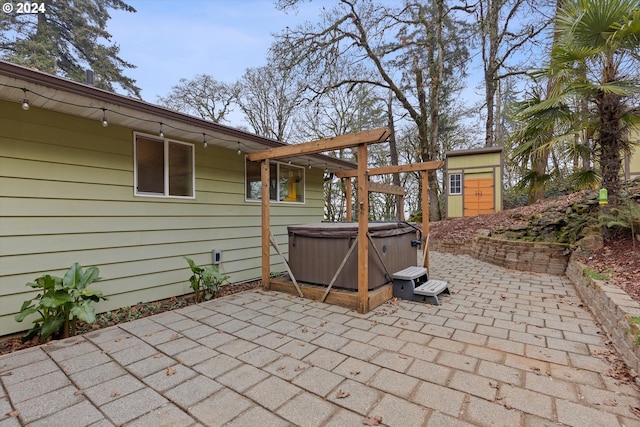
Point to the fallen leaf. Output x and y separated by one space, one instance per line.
341 394
180 361
299 368
157 356
635 410
372 421
175 336
78 392
118 339
13 413
402 356
354 373
170 371
610 402
114 394
282 368
6 374
506 405
305 330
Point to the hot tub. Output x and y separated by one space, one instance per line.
317 250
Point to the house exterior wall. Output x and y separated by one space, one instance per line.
473 164
66 195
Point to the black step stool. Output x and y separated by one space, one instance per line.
413 284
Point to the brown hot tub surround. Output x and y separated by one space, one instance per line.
317 250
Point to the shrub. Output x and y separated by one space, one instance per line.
205 281
61 302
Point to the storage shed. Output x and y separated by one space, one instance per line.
473 180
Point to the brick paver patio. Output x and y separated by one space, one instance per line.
508 348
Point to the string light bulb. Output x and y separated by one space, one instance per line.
25 100
204 140
105 123
309 164
161 133
239 150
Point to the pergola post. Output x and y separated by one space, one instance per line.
363 229
348 199
266 225
425 216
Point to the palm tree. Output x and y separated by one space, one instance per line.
603 38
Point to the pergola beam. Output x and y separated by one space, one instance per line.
373 136
384 170
379 187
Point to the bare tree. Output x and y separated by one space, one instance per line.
393 42
202 96
269 97
507 30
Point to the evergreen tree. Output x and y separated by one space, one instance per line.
64 38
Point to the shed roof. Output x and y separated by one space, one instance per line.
66 96
471 151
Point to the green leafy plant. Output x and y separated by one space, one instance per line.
61 303
205 281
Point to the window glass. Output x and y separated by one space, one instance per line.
150 165
286 182
455 183
180 169
291 183
163 168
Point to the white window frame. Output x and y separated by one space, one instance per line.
459 184
277 190
165 142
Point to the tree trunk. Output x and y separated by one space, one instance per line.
393 148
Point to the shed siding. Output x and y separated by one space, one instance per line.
66 195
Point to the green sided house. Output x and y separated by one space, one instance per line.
102 179
473 181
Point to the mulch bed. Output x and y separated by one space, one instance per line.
11 343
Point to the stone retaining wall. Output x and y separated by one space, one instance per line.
614 309
540 257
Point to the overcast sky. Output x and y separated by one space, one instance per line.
172 39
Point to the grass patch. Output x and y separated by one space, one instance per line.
596 275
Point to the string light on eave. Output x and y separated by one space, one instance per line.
161 133
309 164
105 123
204 140
25 100
239 150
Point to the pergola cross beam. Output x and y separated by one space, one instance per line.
373 136
384 170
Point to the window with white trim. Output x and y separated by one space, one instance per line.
455 183
163 168
286 182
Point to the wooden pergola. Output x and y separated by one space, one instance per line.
361 141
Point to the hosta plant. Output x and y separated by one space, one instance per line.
205 281
61 302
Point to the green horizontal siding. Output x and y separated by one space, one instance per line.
66 195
